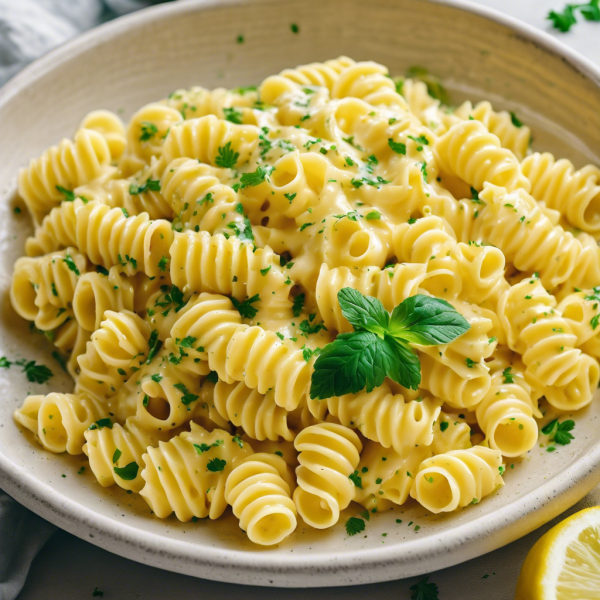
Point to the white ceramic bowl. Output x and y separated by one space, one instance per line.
143 57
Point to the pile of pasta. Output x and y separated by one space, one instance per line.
189 265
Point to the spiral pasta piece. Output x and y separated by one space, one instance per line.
110 127
370 82
390 480
67 166
259 491
535 328
96 293
199 201
116 447
514 223
59 421
514 137
116 350
576 194
148 128
469 151
199 102
329 454
383 417
187 475
110 238
57 230
447 384
42 288
204 263
456 479
256 413
450 434
133 197
206 138
506 414
314 74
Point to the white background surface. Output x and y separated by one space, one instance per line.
69 568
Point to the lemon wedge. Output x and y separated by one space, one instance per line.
564 564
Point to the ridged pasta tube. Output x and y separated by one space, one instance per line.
60 420
469 151
199 201
500 123
383 417
536 329
259 491
204 263
68 165
185 478
515 223
110 238
126 444
206 138
456 479
110 127
458 391
329 454
391 286
96 293
256 413
576 194
42 288
506 414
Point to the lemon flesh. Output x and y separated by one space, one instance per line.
564 564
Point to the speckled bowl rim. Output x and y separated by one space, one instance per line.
474 538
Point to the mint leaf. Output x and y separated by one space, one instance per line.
427 321
363 312
128 472
401 363
348 365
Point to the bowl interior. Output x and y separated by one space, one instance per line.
144 57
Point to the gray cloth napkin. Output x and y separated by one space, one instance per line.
22 534
28 29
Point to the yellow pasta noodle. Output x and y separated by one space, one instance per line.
329 453
224 271
259 491
187 475
458 478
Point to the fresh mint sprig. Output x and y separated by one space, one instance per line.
379 345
